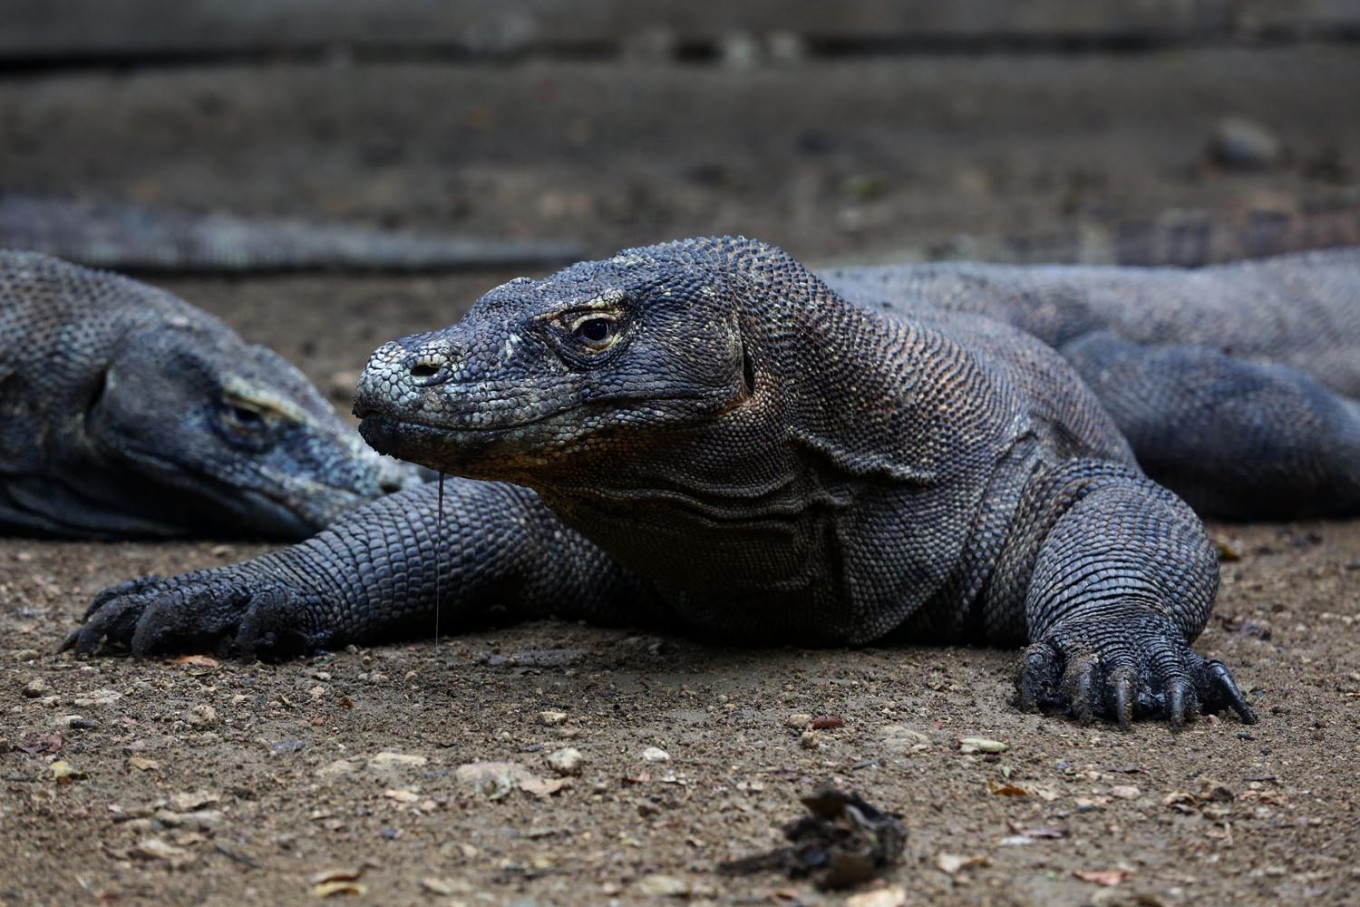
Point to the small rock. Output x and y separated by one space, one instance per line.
898 738
1126 791
97 698
26 654
566 761
892 896
658 885
336 768
1241 144
982 745
36 687
551 718
201 716
201 819
798 720
78 722
156 849
189 801
492 780
655 754
384 762
446 887
809 740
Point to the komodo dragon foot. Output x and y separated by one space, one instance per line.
1122 672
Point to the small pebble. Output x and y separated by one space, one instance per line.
655 754
566 761
36 687
551 718
658 885
1241 144
201 716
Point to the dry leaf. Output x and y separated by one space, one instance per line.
201 661
951 863
329 889
64 772
544 787
982 745
335 874
1007 790
1107 877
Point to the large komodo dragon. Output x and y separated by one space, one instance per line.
706 431
127 412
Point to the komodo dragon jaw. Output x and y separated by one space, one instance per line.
126 412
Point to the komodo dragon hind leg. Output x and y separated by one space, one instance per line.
1236 439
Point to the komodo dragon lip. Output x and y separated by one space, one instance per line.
405 437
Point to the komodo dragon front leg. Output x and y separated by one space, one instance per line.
381 572
710 434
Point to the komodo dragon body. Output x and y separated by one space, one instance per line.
705 431
124 411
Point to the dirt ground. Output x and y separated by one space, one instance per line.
223 782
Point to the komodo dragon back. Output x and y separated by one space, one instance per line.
126 412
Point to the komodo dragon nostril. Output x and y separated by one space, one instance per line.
426 372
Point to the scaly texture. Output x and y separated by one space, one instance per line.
1235 384
126 412
703 432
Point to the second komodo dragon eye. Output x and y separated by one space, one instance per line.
244 419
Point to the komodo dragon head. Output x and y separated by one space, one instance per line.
543 379
126 412
234 437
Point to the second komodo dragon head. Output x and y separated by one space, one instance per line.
127 412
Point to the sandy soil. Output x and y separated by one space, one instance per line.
224 782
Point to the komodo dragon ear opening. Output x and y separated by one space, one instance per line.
101 386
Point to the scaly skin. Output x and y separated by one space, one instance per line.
1235 385
126 412
703 431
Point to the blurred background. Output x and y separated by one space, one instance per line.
854 130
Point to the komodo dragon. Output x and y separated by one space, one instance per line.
127 412
703 430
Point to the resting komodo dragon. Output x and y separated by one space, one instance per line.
124 411
705 431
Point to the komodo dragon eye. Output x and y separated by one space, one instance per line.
594 332
246 419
